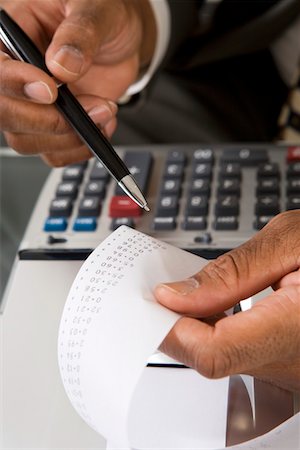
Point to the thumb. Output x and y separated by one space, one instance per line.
261 262
87 26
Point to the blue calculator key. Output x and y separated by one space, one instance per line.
56 224
85 224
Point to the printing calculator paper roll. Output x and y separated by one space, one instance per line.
110 326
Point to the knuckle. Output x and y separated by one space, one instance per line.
15 142
225 269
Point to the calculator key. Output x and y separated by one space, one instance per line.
89 207
200 186
261 221
174 170
73 173
171 187
202 170
139 165
99 172
293 202
118 221
95 188
55 224
194 223
293 154
123 206
226 223
229 186
293 170
227 205
293 186
267 205
85 224
176 156
197 205
205 155
67 189
61 207
268 170
245 156
230 170
164 223
167 206
268 186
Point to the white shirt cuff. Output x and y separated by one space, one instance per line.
163 25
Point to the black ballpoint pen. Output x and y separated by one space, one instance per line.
22 48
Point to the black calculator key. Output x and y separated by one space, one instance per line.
95 188
139 165
293 170
268 170
176 156
174 170
261 221
99 172
229 186
226 223
268 186
293 186
293 202
118 221
205 155
197 205
61 207
167 206
194 223
267 205
67 189
89 207
171 187
245 156
227 205
200 186
202 170
73 173
164 223
230 170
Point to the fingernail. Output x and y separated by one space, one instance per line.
182 287
99 111
70 59
38 90
113 106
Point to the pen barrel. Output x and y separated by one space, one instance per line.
89 133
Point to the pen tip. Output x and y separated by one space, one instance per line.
146 208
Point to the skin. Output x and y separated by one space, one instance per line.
264 341
98 47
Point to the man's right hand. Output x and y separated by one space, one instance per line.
96 46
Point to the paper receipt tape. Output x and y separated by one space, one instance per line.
110 326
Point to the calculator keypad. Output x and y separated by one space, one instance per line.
197 195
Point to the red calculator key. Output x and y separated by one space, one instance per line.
293 154
122 206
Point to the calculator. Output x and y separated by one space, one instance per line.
206 199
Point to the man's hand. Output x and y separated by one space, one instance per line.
97 46
263 341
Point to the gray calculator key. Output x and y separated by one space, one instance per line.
167 206
60 207
293 202
227 205
95 188
200 186
268 186
261 221
176 156
67 189
205 155
197 205
226 223
293 170
293 186
267 205
230 170
268 170
174 170
229 186
139 165
118 221
99 172
171 187
202 170
245 156
89 207
194 223
73 173
164 223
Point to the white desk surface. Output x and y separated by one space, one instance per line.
36 413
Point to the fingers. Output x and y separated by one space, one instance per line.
24 81
262 261
263 341
87 28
